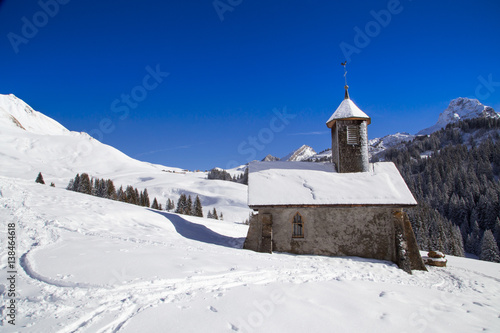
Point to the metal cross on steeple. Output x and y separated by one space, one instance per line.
345 79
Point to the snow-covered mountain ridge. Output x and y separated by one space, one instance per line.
460 109
301 154
35 143
380 144
16 113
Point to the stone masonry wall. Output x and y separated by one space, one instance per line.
348 157
359 231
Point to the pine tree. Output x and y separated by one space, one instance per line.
85 184
76 183
181 204
110 190
121 195
95 186
146 198
137 197
244 179
214 214
99 188
52 184
476 238
496 231
71 185
197 208
221 217
209 215
189 206
155 204
489 248
131 195
39 179
170 205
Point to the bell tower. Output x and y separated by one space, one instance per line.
349 136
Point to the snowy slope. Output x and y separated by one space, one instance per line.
16 113
43 145
88 264
459 109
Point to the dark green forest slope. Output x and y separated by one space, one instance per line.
454 175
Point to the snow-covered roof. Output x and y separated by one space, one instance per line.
309 183
347 110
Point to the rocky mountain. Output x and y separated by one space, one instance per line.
270 158
301 154
323 156
460 109
378 145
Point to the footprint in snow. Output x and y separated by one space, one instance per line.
213 309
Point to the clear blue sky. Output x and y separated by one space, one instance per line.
229 67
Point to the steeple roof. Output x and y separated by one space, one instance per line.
347 110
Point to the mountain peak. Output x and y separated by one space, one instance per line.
270 158
15 113
301 154
459 109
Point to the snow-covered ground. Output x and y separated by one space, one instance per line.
88 264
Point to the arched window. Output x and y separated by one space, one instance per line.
298 226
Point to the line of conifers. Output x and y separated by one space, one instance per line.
105 188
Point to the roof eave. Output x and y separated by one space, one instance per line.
332 122
255 207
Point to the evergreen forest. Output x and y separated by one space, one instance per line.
454 175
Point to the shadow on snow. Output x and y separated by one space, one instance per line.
200 233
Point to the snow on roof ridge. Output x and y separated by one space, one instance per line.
347 109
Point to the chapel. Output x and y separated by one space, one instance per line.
349 207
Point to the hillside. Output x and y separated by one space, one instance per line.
454 175
35 143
